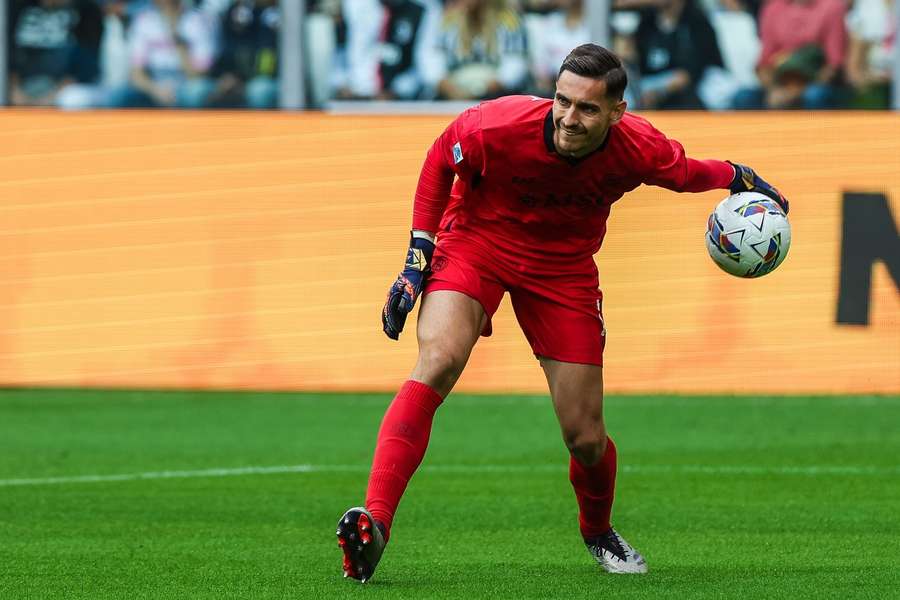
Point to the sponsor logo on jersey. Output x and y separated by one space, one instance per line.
551 200
532 198
457 153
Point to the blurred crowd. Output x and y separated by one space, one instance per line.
144 53
680 54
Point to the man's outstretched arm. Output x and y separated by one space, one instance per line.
675 171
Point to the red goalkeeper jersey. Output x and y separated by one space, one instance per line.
513 190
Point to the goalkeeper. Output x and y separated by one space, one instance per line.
514 197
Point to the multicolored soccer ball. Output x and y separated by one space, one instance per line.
748 235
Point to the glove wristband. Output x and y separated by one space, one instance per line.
420 234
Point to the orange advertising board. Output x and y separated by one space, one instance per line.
248 250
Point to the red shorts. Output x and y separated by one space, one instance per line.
560 313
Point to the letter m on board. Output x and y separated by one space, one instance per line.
869 234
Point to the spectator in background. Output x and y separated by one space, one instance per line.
804 43
675 45
214 8
324 50
551 37
247 69
55 52
872 26
481 51
390 48
623 24
114 70
739 44
407 48
541 7
171 50
358 75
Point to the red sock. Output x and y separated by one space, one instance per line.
594 489
402 441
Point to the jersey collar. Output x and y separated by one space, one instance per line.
548 141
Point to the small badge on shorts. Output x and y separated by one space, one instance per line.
457 153
439 263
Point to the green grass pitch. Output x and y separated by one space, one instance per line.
727 497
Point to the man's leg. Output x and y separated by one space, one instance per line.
448 326
577 392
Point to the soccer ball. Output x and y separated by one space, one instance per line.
748 235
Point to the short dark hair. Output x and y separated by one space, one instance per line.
596 62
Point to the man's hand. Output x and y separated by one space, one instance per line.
746 180
403 294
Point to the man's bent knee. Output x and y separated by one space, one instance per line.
587 448
448 326
439 367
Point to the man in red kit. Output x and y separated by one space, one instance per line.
534 183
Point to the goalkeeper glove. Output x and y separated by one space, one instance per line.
403 294
746 180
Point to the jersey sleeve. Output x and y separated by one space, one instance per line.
458 151
672 169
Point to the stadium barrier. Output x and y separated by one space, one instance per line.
246 250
